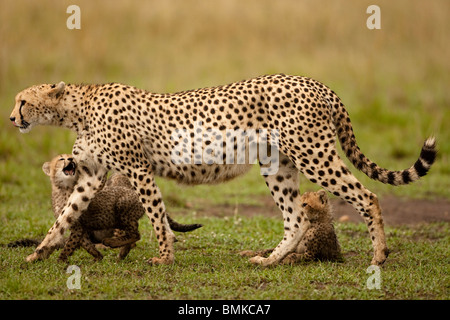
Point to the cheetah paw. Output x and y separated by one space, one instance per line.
261 261
158 261
378 262
380 258
32 257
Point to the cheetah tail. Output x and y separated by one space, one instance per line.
24 243
371 169
175 226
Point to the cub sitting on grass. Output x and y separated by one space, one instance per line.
111 218
320 241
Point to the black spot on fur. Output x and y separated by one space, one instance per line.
374 174
86 169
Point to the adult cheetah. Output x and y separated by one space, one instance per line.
129 130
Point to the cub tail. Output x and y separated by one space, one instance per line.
175 226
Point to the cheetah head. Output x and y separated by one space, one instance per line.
62 171
316 206
36 105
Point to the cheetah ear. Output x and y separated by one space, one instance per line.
322 196
57 91
46 168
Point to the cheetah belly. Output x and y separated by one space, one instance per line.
189 173
202 173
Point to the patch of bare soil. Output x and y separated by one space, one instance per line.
396 211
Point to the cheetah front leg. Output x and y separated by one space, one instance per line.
91 179
74 241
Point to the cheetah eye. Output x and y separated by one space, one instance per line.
304 204
22 102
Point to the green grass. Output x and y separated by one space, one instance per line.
394 83
208 267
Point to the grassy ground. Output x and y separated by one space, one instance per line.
208 267
393 81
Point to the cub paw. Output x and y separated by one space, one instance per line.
247 253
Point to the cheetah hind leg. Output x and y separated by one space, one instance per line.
131 235
284 189
87 244
72 243
343 184
121 241
125 250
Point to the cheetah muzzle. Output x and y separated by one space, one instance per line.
70 169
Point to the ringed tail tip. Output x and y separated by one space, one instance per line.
430 143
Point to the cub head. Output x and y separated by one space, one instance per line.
119 180
316 206
37 105
62 171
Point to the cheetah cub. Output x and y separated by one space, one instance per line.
320 241
111 218
114 207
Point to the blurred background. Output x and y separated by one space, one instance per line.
393 81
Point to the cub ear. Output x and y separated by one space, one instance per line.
323 196
57 91
46 168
